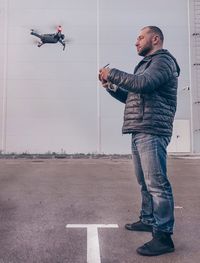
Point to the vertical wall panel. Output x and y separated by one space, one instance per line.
51 93
120 23
194 21
3 70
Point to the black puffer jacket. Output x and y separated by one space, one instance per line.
150 94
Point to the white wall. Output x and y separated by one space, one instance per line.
180 141
54 102
51 94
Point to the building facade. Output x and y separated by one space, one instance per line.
51 100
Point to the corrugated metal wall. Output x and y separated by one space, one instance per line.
194 11
51 99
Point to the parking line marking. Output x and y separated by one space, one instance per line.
93 251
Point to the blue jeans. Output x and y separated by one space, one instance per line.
149 156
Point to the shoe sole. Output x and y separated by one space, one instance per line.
137 230
157 254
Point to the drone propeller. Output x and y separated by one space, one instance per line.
68 40
56 28
35 42
33 30
59 28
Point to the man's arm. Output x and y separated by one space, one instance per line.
118 93
114 90
158 73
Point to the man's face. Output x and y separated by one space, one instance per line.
144 42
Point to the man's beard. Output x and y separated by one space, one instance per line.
145 50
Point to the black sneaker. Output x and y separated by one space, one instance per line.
160 244
139 226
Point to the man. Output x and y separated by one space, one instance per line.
150 97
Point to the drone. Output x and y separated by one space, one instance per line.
50 38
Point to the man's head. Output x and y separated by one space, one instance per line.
150 39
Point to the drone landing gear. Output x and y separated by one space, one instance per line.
63 43
40 44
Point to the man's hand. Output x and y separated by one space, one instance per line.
103 74
103 77
105 84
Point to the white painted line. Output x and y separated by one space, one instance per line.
93 251
90 225
178 207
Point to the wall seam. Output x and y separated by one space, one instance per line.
5 68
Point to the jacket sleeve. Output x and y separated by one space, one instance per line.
120 94
159 71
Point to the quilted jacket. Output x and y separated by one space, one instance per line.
149 94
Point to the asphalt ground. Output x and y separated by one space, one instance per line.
38 198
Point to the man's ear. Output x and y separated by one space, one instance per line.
156 39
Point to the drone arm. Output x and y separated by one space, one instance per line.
40 44
63 43
36 34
